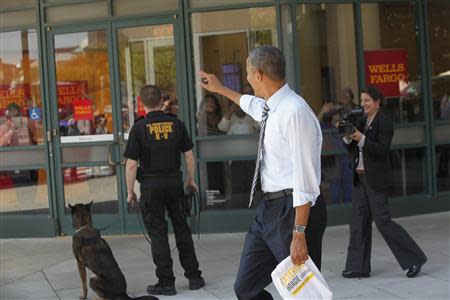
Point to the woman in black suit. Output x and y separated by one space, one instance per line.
369 146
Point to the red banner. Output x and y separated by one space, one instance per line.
140 107
68 91
387 70
82 109
18 94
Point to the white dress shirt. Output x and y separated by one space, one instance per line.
292 144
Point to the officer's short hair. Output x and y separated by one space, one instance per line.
269 60
150 96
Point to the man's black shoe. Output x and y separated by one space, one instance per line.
352 274
414 271
196 283
158 289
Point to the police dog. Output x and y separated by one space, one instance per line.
92 252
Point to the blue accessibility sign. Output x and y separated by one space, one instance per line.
35 114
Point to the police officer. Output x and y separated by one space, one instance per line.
156 142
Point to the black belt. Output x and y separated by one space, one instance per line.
277 195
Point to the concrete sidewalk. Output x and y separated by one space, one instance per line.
46 268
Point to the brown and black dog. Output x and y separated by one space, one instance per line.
92 252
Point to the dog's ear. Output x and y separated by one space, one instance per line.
89 205
72 208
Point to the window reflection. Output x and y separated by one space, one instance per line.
327 58
86 184
443 167
82 71
226 185
222 41
146 56
391 57
408 171
21 122
23 192
439 33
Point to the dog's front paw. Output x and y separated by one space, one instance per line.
84 296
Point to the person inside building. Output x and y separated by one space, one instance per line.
288 160
156 143
209 115
369 147
235 120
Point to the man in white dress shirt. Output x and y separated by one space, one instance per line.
289 165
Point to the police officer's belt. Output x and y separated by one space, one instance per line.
277 195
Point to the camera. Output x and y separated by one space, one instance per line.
350 120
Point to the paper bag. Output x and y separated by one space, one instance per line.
300 281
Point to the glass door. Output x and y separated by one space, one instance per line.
146 55
84 131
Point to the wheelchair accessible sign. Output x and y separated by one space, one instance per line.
35 114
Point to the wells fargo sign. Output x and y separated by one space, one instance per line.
82 109
19 95
387 70
68 91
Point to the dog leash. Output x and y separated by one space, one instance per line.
141 226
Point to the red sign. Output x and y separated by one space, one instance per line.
140 107
68 91
17 94
82 109
387 70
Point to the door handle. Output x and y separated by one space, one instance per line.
110 160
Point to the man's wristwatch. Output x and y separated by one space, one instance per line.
299 228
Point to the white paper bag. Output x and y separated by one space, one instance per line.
300 282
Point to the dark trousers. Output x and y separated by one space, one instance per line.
367 205
157 195
267 243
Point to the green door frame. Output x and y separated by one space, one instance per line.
115 221
131 224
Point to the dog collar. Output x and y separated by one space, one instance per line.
81 228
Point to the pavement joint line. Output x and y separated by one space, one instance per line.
50 284
31 273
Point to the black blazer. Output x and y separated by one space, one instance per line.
376 148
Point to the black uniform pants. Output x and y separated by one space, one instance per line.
367 205
268 242
157 195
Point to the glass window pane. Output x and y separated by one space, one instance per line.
409 171
439 33
23 192
22 158
146 56
86 184
222 41
226 184
83 11
391 58
139 7
82 72
17 4
337 178
209 3
18 18
327 56
21 121
443 167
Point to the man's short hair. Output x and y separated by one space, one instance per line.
374 93
270 61
150 96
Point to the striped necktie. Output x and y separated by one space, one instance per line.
265 114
